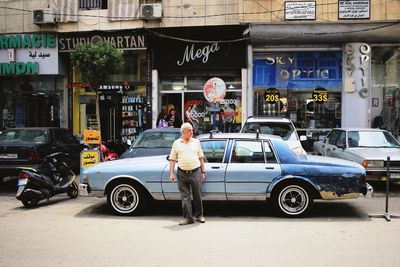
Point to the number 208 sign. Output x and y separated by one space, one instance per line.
272 96
320 95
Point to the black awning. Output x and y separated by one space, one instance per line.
327 33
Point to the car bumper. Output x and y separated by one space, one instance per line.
381 175
14 170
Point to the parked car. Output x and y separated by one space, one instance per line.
238 167
277 126
368 147
26 147
153 142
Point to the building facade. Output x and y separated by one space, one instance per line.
322 64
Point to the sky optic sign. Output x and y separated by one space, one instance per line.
28 54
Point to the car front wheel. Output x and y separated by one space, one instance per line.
126 199
293 200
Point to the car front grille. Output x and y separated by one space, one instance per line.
393 164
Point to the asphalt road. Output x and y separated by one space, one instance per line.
83 232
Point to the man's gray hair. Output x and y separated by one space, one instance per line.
186 125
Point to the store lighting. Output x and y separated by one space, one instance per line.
231 86
177 87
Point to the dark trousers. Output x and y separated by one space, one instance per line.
190 182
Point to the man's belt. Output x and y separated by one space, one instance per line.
190 171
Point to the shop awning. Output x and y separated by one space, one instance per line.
328 33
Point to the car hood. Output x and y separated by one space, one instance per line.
128 163
329 160
379 153
145 152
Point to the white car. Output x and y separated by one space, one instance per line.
368 147
276 126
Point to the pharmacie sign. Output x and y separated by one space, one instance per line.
28 54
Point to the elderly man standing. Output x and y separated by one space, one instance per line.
189 155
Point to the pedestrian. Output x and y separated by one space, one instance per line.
188 153
173 119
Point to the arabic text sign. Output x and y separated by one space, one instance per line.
300 10
89 158
358 9
91 136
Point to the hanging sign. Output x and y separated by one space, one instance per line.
91 136
272 96
320 95
214 90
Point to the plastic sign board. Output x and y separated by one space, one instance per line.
91 136
89 158
214 90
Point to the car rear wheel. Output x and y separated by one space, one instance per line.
293 200
126 199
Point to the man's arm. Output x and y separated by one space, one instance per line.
203 173
171 170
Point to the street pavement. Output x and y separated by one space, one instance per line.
83 232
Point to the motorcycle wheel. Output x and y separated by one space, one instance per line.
72 190
29 199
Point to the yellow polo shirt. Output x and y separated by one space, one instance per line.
187 154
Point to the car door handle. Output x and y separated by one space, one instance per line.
269 168
215 167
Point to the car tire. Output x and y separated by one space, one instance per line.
293 200
126 198
72 190
29 199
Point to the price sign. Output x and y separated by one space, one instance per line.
91 136
272 96
320 95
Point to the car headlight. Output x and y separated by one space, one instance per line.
373 163
85 178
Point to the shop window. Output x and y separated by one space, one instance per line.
302 86
385 93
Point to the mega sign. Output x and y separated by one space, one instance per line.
28 54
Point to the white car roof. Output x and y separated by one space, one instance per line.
360 129
268 119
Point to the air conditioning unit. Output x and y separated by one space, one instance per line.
150 11
44 16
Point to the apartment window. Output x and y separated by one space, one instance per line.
93 4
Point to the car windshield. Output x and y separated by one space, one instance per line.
156 139
18 136
371 139
284 130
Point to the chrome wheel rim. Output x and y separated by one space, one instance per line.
293 200
124 198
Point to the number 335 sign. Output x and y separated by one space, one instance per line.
320 95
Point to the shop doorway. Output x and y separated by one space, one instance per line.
110 117
38 111
172 101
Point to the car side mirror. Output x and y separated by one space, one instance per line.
303 138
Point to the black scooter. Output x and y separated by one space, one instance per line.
52 178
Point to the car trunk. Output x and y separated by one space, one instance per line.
19 154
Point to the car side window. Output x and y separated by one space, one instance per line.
269 153
333 137
64 137
213 150
247 152
341 141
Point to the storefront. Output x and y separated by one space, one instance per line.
325 76
184 61
31 82
385 102
125 107
301 85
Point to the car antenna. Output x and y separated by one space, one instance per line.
257 134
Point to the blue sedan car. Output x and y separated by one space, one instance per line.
239 167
